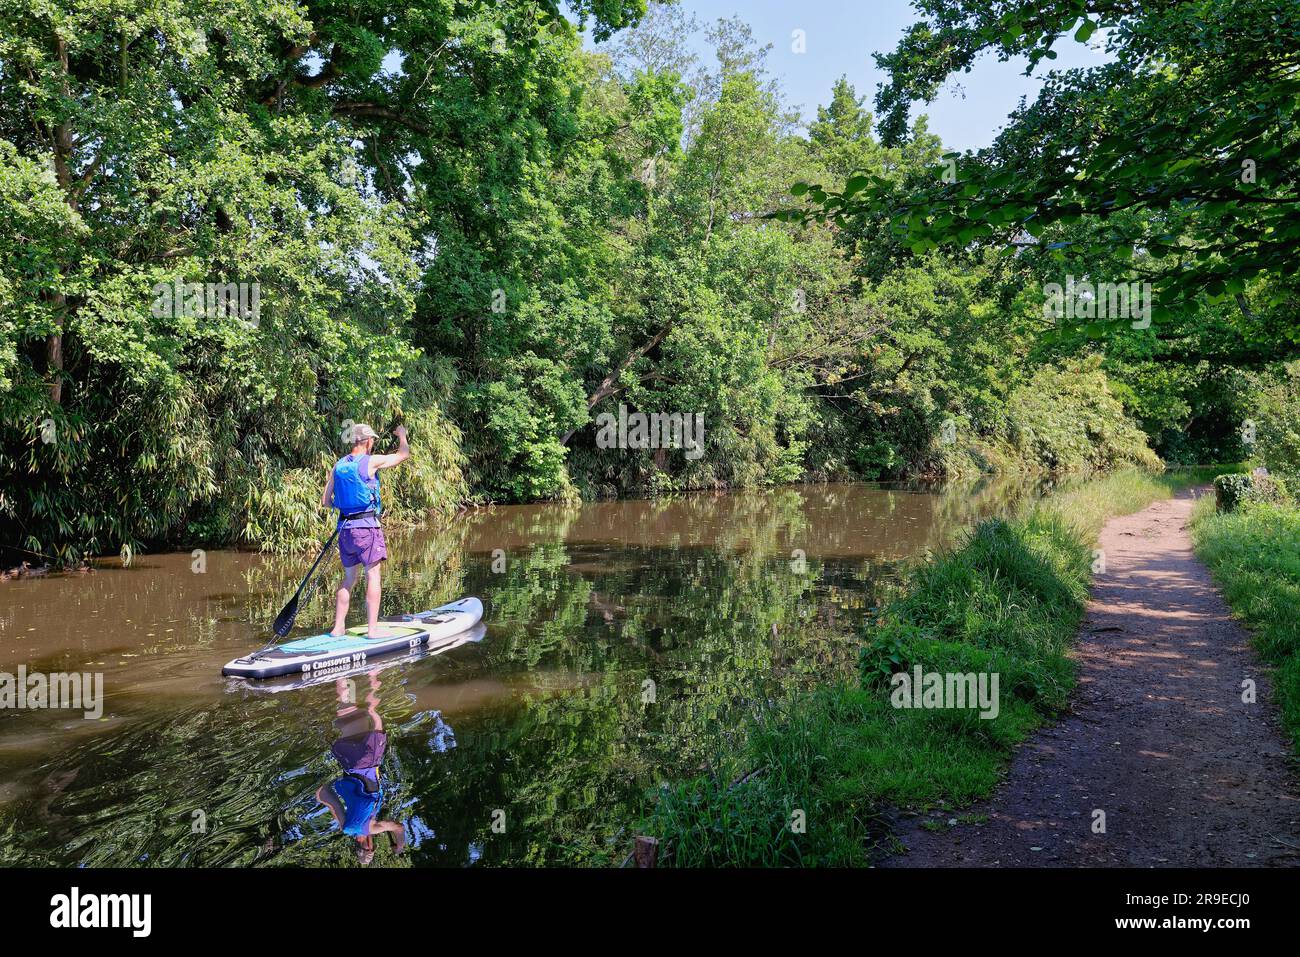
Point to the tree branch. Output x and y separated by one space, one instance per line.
377 111
608 385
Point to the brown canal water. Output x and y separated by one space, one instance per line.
625 645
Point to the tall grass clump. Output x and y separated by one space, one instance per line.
1254 556
816 769
1085 505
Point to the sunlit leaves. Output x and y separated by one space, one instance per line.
1194 124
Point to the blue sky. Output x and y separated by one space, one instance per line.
842 35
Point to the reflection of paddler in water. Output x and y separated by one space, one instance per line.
355 798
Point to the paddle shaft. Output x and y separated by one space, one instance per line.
284 620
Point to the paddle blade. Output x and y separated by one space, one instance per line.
284 621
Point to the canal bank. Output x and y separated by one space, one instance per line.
1171 754
824 772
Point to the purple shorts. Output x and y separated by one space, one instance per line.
362 546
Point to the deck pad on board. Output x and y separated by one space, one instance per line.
356 638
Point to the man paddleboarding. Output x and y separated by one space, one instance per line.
353 489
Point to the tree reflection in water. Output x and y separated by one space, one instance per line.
627 642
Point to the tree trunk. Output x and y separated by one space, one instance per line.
646 851
609 385
62 157
54 351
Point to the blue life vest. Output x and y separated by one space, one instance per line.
360 804
352 493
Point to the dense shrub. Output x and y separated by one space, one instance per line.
1067 419
1276 420
1234 490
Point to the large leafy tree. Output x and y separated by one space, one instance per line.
295 146
1183 147
718 311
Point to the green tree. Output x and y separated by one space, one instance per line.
287 147
1191 124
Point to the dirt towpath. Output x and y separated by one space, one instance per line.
1157 736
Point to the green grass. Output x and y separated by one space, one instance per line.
1007 600
1254 555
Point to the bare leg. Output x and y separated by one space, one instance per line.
372 598
342 598
372 702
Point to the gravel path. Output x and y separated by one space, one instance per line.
1157 737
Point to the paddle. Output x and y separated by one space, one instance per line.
284 621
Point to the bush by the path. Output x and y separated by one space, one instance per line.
1233 490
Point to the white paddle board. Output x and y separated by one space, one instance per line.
320 655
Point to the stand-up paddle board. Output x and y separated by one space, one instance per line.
335 654
300 680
